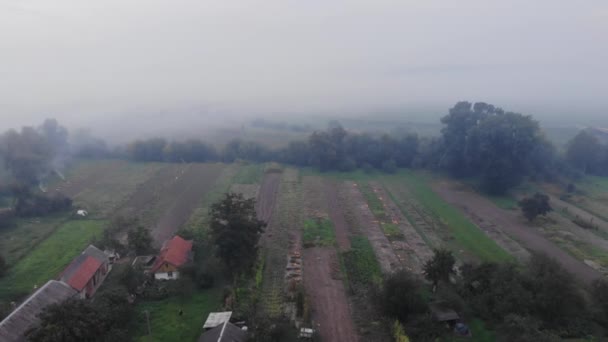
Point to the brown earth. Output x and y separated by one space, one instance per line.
388 260
267 196
73 185
413 250
514 226
330 311
336 214
166 201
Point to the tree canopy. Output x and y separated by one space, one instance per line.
440 267
535 206
236 230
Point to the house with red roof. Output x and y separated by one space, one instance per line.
174 254
87 271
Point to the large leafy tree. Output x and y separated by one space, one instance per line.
440 267
584 151
236 230
139 240
401 298
70 321
535 206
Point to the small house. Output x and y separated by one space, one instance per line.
226 332
444 314
25 316
174 254
87 271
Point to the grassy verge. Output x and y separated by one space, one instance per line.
375 205
360 263
465 233
165 322
318 232
23 235
391 231
49 258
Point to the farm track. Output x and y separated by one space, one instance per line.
413 250
336 215
514 227
388 260
325 289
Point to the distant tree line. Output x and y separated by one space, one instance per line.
478 140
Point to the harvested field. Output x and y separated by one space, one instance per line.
411 248
389 262
102 186
324 286
247 190
167 200
516 227
267 196
336 215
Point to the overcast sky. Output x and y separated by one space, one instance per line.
77 59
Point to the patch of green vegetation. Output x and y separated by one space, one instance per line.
360 263
49 258
465 233
504 202
167 324
593 185
318 232
23 235
374 203
249 174
391 231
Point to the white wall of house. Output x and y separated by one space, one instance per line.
166 275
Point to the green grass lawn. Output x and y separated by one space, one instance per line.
466 234
318 232
49 257
166 323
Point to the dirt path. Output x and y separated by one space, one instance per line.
267 195
388 260
330 309
514 226
336 215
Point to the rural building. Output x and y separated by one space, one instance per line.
215 319
24 317
226 332
87 271
174 254
443 313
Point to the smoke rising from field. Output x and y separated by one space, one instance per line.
162 65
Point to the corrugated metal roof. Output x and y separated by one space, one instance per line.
217 318
14 326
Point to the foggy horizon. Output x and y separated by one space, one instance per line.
96 64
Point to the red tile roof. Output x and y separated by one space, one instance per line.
85 272
175 252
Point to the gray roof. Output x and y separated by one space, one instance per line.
442 313
226 332
217 318
14 326
96 253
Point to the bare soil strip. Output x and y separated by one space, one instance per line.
267 197
514 226
413 251
389 262
325 289
337 215
185 193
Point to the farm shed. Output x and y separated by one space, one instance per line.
216 319
87 271
24 317
442 313
226 332
174 254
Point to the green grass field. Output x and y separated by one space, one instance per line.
318 232
48 259
360 263
465 233
167 325
18 240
